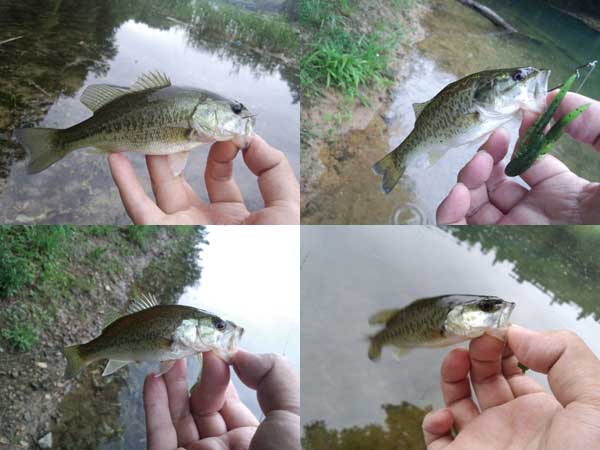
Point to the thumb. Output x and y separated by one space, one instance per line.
573 369
278 391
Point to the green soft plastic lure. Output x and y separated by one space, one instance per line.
534 143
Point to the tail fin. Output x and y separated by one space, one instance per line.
74 361
42 145
374 349
391 168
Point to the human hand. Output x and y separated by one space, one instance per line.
515 412
178 204
212 417
485 195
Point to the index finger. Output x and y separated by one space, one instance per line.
160 430
218 176
586 128
140 208
490 385
208 396
276 178
573 369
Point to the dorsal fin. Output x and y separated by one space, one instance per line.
110 318
150 80
145 301
419 107
383 316
96 96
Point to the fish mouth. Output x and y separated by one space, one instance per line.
505 314
230 340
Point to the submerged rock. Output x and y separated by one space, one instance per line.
45 441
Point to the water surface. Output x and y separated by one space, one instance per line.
351 272
65 46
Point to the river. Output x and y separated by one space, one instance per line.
64 46
350 273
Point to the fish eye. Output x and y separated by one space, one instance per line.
220 325
237 108
487 306
519 75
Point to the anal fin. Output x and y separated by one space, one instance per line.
113 365
399 352
165 366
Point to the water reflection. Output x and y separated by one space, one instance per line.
351 272
68 45
401 431
560 260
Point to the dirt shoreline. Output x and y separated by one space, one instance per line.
327 126
33 383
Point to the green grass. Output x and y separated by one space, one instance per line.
141 235
338 56
25 253
24 332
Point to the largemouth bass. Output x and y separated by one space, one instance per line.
466 112
438 322
151 117
153 332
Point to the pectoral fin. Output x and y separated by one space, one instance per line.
177 162
399 352
113 365
165 366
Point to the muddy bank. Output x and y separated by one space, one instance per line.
329 118
98 277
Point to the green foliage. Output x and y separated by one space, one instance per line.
22 334
268 32
25 253
320 14
140 235
561 261
346 61
338 56
21 337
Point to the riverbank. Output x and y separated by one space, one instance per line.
329 116
58 286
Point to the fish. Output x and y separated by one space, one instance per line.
465 112
153 332
438 322
152 117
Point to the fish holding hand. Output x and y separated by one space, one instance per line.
153 332
151 117
438 322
